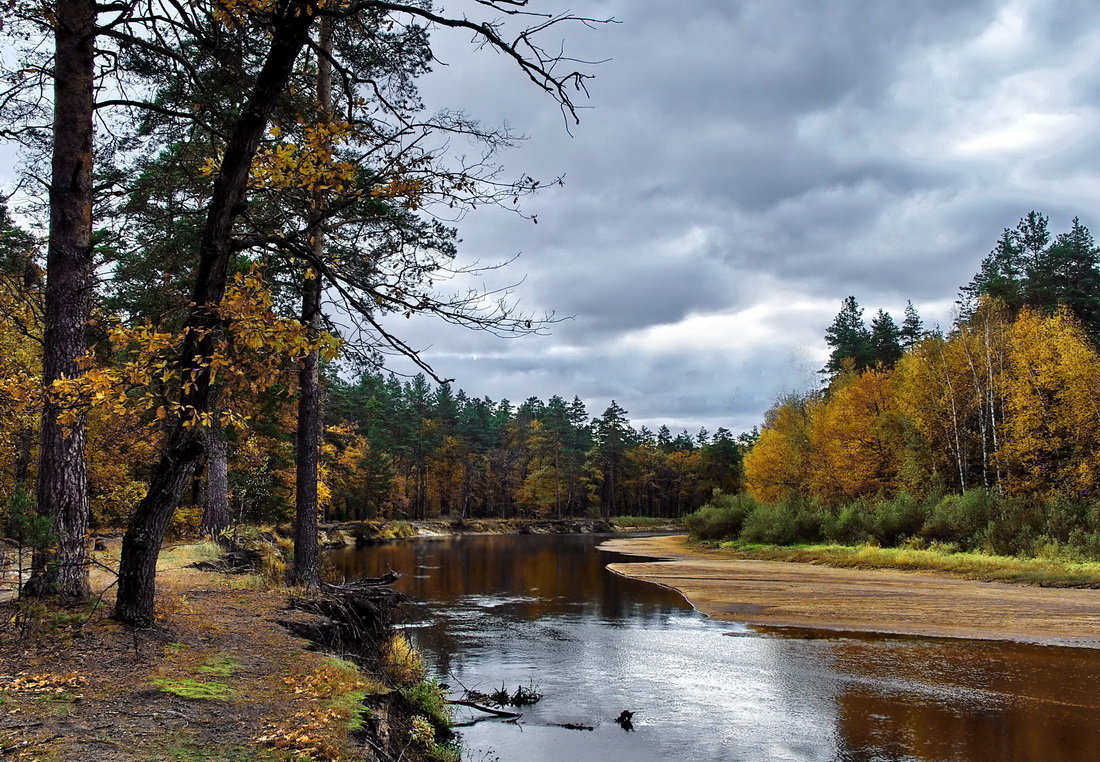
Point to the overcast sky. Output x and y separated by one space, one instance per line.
747 164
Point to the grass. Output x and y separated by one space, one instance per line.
219 665
641 521
430 700
970 565
350 688
180 556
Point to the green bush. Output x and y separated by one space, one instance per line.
961 519
851 525
792 520
897 519
1017 527
721 518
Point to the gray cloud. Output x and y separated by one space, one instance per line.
745 166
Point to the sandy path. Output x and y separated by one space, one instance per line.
780 594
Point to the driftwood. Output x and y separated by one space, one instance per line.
483 708
354 617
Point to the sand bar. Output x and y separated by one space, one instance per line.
786 594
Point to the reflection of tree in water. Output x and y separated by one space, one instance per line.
543 608
508 588
945 699
536 576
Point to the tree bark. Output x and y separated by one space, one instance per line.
307 553
141 544
215 489
62 568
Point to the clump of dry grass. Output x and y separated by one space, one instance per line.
402 664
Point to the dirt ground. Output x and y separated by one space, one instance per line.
217 679
778 593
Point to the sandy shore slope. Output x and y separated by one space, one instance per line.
784 594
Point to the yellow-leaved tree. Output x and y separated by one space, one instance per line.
777 465
854 446
1052 392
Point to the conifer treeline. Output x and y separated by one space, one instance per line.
410 449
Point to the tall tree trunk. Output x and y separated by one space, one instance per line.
215 489
307 553
141 543
307 558
62 473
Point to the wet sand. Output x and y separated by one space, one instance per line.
785 594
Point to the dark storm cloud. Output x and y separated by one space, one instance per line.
746 165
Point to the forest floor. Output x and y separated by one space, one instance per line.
216 679
725 585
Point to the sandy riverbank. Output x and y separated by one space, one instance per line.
783 594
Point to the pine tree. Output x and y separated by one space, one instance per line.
1071 266
612 435
885 340
1001 275
849 339
912 329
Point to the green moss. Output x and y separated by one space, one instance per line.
185 687
219 665
641 521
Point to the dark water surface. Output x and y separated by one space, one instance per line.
543 611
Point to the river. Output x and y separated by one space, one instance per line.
542 611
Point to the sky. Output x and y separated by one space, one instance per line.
740 167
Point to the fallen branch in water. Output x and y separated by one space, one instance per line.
486 709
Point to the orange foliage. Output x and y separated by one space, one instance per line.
853 452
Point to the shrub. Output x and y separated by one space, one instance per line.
850 525
961 518
790 521
721 518
894 520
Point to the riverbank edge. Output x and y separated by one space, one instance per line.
725 586
223 656
359 533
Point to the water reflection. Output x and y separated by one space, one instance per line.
542 610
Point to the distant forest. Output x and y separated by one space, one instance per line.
410 449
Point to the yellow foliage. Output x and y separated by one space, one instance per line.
852 451
258 349
401 663
776 466
1052 392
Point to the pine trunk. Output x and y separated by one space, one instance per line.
307 553
62 473
215 489
141 544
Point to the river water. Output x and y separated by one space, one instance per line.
542 611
